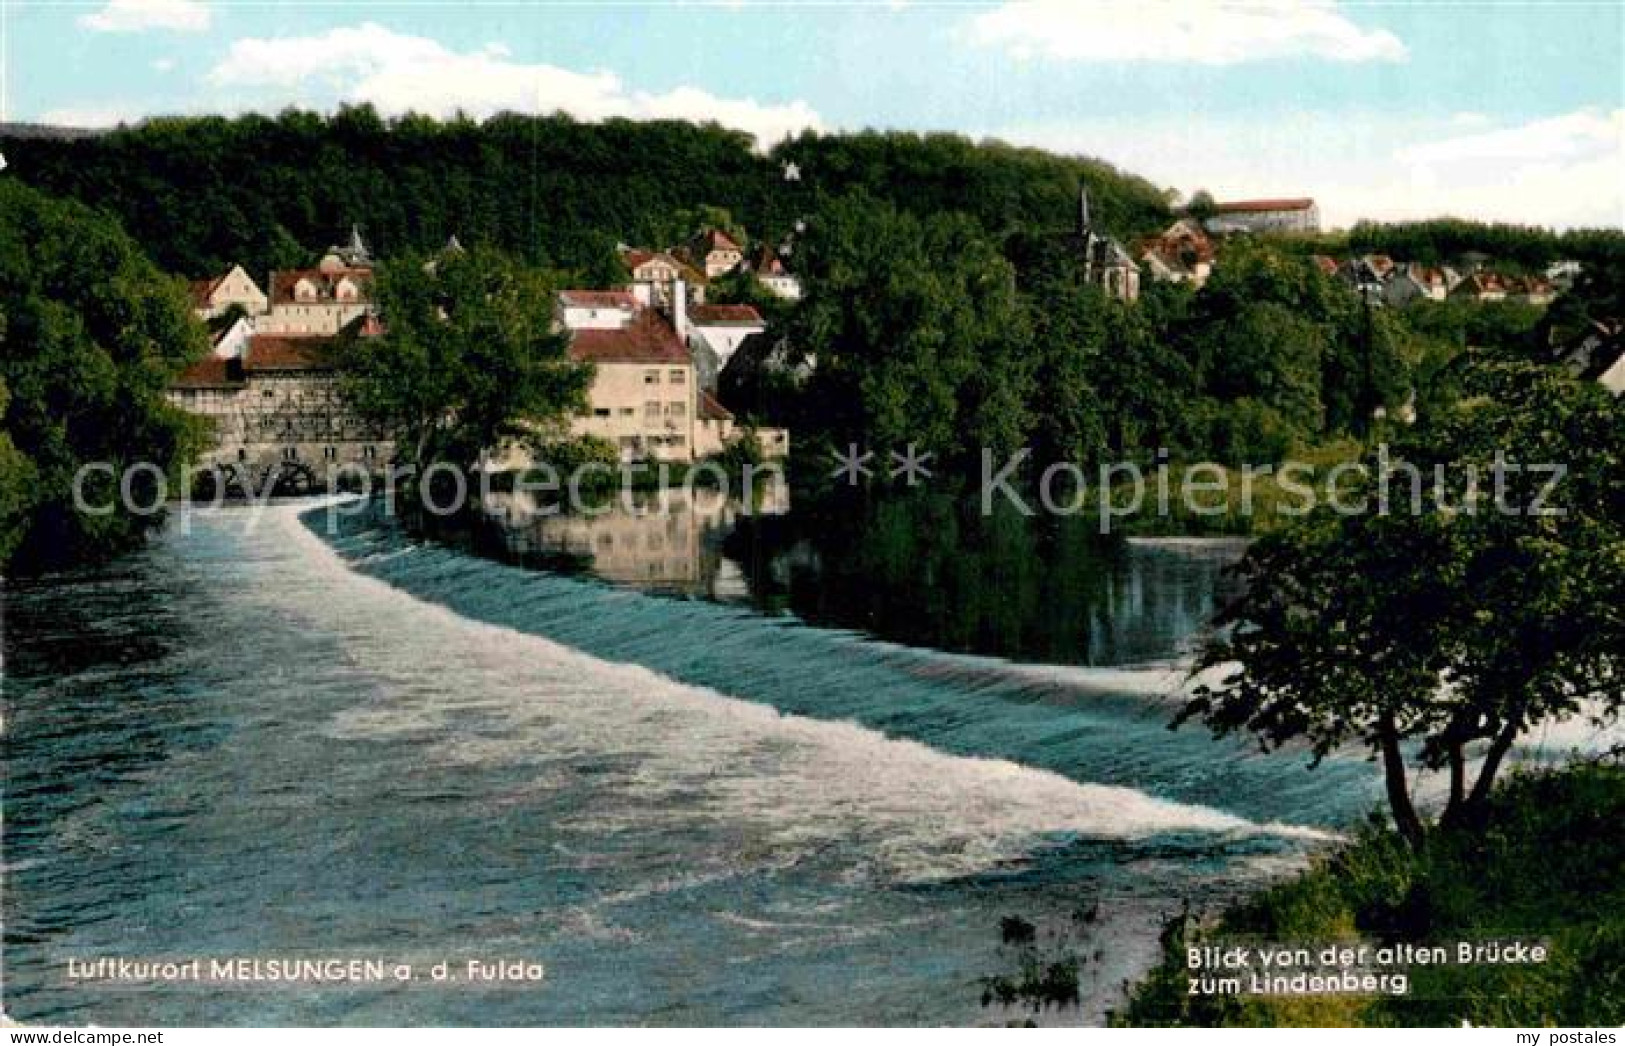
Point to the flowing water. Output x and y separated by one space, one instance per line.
256 738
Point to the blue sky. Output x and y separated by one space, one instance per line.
1507 111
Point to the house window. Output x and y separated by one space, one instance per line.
651 410
369 453
601 412
242 454
290 453
677 441
270 393
627 412
676 410
677 377
651 377
330 453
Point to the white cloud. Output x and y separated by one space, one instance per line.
134 16
163 65
1202 32
1562 170
398 72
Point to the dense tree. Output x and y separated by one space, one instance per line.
202 193
917 329
90 335
468 357
1447 625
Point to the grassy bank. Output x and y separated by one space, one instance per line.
1548 864
1214 500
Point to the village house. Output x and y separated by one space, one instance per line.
601 310
1480 286
646 397
1563 272
1597 354
715 333
1367 276
771 273
715 253
1256 216
1181 254
1531 290
319 301
655 274
1410 282
277 416
211 298
642 394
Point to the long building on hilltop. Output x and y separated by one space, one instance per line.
1292 215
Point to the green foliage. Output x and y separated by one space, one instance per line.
1518 247
90 335
918 331
1547 861
468 358
566 457
1350 623
550 190
743 450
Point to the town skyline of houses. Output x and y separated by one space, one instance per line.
271 387
660 348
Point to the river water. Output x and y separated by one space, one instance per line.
684 788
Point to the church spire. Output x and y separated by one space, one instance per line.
357 246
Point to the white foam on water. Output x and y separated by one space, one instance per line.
684 760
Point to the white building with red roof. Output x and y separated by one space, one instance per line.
605 310
655 274
646 396
771 273
319 301
716 253
1299 214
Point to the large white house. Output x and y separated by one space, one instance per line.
646 396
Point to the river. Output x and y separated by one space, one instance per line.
711 791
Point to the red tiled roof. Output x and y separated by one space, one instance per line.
647 339
1328 265
203 290
211 372
599 299
1253 206
637 256
711 410
717 240
718 315
288 352
284 281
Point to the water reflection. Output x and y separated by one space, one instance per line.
923 568
667 541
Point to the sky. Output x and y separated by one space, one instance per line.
1381 110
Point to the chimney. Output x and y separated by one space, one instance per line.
679 309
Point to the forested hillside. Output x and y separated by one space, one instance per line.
200 193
